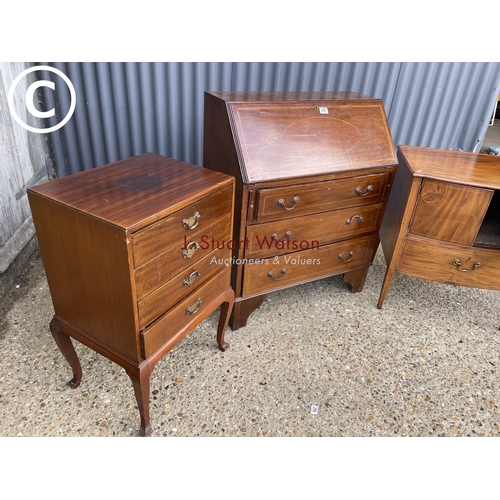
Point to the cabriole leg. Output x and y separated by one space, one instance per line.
66 346
140 381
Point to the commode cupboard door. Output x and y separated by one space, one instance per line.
450 212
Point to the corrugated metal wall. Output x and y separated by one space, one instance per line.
124 109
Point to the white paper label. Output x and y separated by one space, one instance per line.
323 111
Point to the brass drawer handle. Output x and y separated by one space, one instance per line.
271 274
191 278
190 250
349 221
457 263
369 189
288 235
192 222
351 255
281 203
194 308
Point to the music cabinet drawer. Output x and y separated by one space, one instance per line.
270 274
174 324
298 200
450 263
182 256
155 304
303 233
151 241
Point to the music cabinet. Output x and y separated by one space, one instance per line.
127 254
313 173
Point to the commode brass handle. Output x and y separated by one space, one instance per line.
192 222
194 308
457 263
191 278
281 203
369 189
351 255
288 235
349 221
271 274
190 250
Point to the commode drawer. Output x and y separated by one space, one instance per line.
156 303
165 331
293 201
449 263
151 241
181 256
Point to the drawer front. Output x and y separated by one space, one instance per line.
182 256
171 327
157 302
449 263
311 231
294 201
291 269
197 217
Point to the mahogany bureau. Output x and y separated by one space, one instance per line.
443 219
313 173
129 261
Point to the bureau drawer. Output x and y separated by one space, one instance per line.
164 297
168 330
311 231
182 256
294 201
151 241
298 267
449 263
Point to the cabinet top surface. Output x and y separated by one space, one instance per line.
473 169
281 135
135 191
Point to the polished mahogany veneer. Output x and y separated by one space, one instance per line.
127 271
313 173
443 219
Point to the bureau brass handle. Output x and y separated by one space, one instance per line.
191 278
288 235
271 274
192 222
190 249
351 255
194 308
369 189
281 203
457 263
349 221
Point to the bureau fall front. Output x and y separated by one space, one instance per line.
313 174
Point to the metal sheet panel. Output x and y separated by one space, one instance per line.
444 105
124 109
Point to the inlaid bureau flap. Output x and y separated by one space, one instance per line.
283 135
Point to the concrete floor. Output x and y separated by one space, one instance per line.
424 365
